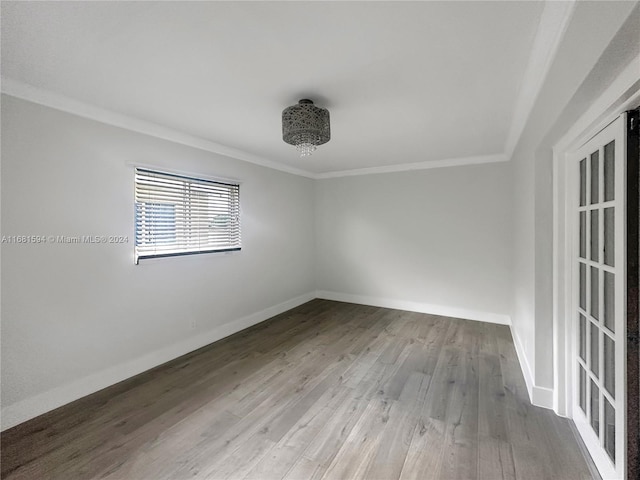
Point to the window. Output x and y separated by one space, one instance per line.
178 215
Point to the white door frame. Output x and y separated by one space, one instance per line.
595 437
623 94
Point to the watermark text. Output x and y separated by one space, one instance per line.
63 239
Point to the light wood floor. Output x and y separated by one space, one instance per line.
325 391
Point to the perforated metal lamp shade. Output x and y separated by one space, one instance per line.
305 126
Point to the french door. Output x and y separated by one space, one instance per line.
599 297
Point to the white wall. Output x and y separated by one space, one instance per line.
79 317
435 240
599 42
76 318
472 241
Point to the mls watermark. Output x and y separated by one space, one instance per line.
64 239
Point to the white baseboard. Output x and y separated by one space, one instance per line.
542 397
539 396
527 373
37 405
445 311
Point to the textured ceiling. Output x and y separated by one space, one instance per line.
405 82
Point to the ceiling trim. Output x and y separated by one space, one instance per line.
66 104
553 23
551 29
448 162
63 103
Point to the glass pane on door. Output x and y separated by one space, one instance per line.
609 236
582 340
595 175
593 235
595 293
583 235
595 357
583 390
609 354
609 430
595 408
583 182
609 171
583 286
609 301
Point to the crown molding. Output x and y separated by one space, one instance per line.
50 99
448 162
63 103
551 29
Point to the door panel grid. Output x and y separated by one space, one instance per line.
598 297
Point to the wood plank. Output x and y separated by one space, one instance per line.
461 432
293 444
360 445
327 390
391 452
495 458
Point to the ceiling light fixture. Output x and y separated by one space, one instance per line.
305 126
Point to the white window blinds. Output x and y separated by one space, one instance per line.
178 215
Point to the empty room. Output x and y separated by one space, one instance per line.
269 240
